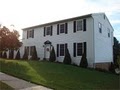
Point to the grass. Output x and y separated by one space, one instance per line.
4 86
60 76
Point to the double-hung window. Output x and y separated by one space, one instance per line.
79 25
62 49
30 33
79 49
62 28
48 30
100 27
108 32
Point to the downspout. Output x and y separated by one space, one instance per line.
93 44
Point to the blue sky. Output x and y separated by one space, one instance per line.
24 13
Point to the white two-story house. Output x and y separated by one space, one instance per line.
91 34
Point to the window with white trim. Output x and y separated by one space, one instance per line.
30 33
62 28
62 49
108 32
48 30
79 25
79 49
100 27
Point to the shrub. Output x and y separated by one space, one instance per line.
0 54
112 67
84 62
52 55
25 56
18 55
67 58
101 70
11 54
34 54
4 55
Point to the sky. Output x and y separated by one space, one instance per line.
25 13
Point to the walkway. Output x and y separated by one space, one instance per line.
19 84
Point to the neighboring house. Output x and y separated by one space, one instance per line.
91 34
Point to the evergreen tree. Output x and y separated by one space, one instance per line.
18 55
34 54
84 62
25 56
112 67
52 55
116 52
11 54
0 54
67 58
5 55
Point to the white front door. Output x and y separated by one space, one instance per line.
47 51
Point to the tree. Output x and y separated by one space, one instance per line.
84 62
52 55
0 54
11 54
111 67
116 52
34 54
18 55
4 55
9 40
67 58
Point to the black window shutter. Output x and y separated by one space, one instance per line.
65 45
74 26
44 31
65 48
66 28
84 24
57 50
58 29
51 30
27 34
85 48
33 33
74 49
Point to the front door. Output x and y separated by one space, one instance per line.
47 51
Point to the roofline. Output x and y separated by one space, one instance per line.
60 21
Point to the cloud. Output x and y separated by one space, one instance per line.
115 21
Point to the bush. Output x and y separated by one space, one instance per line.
5 55
101 70
11 54
67 58
25 56
52 55
84 62
34 54
18 55
118 61
0 54
112 67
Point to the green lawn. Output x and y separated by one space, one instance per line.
4 86
60 76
